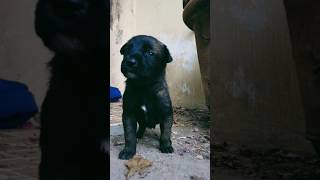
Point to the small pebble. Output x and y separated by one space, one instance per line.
199 157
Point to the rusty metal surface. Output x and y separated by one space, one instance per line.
255 97
196 16
304 20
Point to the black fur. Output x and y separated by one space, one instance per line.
74 112
144 63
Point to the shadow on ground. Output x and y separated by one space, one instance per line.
232 162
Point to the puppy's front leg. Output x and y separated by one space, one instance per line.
165 138
130 128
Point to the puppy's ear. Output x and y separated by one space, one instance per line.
124 49
167 55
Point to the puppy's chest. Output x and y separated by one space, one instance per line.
150 119
148 107
150 112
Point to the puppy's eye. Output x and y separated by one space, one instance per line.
149 52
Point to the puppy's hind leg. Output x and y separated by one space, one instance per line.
141 130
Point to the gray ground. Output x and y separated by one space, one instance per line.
190 140
20 155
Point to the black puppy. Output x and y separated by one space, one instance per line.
146 98
74 112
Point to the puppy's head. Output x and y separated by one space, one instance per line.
144 58
70 26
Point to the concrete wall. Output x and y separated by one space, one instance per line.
22 56
163 20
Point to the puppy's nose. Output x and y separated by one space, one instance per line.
131 62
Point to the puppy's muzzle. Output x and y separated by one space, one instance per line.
132 62
128 66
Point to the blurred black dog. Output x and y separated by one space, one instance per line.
74 112
146 98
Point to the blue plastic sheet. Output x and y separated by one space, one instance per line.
17 104
115 94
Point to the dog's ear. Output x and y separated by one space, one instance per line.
167 55
124 49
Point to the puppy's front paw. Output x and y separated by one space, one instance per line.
166 148
126 154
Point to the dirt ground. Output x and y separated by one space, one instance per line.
240 163
190 138
230 161
19 154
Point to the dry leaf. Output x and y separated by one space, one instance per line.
137 164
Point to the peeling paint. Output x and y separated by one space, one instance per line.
185 89
181 49
119 34
242 88
116 10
